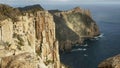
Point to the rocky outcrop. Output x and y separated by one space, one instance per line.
113 62
31 9
35 7
75 26
29 42
46 38
8 12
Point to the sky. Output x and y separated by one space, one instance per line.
53 3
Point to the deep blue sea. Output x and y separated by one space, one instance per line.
108 19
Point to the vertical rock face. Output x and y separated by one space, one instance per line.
29 42
6 30
74 26
45 34
112 62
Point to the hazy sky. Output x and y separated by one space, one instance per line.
60 2
57 4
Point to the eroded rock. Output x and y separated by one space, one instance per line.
29 42
75 25
113 62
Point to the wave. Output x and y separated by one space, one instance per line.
85 55
85 45
101 35
79 49
98 37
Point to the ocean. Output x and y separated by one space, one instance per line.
89 56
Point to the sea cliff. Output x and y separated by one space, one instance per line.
27 40
74 27
30 37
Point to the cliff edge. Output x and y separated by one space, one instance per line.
28 42
74 27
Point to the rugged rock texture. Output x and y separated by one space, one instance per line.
28 35
8 12
74 26
113 62
29 42
45 34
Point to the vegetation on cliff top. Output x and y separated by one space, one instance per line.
7 11
31 9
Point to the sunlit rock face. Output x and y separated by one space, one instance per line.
74 26
29 36
29 41
112 62
46 38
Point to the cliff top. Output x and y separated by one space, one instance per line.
7 11
4 5
54 11
31 8
76 9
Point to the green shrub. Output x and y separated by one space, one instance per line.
19 38
8 12
48 62
21 43
15 35
19 47
39 50
29 42
7 44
